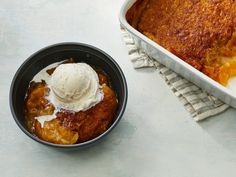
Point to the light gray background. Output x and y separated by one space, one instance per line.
156 136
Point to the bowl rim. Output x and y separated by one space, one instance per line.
86 143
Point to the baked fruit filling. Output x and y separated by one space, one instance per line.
200 32
69 127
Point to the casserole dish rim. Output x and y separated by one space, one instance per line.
188 68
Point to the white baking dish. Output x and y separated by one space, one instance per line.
173 62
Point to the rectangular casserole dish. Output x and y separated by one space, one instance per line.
175 63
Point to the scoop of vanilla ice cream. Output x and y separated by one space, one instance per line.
75 87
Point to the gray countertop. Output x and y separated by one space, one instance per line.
156 136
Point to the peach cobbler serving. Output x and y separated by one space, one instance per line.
200 32
68 103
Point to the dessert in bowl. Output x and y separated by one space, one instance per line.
68 95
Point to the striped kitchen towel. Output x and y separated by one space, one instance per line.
198 103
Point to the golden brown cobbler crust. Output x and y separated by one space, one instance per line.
201 32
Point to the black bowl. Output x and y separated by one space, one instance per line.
59 52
